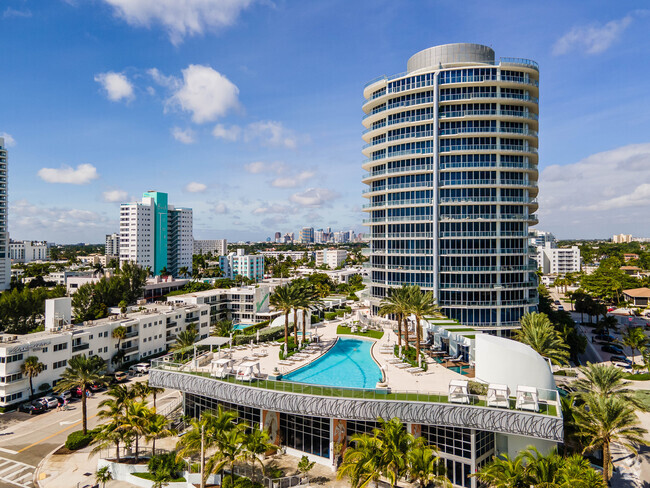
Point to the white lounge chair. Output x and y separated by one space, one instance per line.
498 396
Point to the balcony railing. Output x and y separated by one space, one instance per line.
80 347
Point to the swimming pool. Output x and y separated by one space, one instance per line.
347 364
241 326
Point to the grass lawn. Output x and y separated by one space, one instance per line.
463 329
644 396
375 334
637 376
149 476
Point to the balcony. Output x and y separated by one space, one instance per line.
80 347
130 349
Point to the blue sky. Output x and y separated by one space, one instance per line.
250 111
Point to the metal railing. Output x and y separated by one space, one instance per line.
549 399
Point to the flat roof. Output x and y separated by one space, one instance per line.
213 341
638 292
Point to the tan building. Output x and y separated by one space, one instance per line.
637 296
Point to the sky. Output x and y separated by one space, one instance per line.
249 111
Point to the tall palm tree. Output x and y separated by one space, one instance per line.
114 409
258 443
137 420
394 443
231 445
183 271
604 420
283 299
538 332
361 461
309 299
157 428
504 472
425 466
395 304
81 373
31 368
421 305
119 333
184 340
635 339
606 380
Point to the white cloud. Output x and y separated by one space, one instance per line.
258 167
292 181
117 86
84 173
267 133
613 192
220 208
180 18
273 208
206 93
115 196
186 136
162 80
314 197
195 187
592 38
271 133
9 140
231 133
12 12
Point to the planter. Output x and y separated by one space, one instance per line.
124 472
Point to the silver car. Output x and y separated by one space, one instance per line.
50 401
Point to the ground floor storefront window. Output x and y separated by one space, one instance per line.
307 434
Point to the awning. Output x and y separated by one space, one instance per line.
213 341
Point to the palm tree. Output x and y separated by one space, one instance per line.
102 475
606 380
607 419
309 299
257 443
137 419
425 466
119 333
503 472
231 445
31 368
283 299
421 305
98 269
184 340
394 443
635 339
157 428
183 271
395 304
114 409
577 473
538 332
81 373
361 461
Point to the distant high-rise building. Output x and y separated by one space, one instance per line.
307 235
156 235
452 182
540 238
319 236
112 246
278 235
5 261
218 247
621 238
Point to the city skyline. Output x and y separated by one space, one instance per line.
108 97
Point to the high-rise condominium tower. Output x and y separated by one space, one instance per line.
5 261
452 180
156 235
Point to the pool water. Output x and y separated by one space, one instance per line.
347 364
241 326
459 369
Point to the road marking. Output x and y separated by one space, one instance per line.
8 451
15 474
55 434
68 422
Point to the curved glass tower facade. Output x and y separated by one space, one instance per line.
451 149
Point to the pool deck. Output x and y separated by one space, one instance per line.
436 378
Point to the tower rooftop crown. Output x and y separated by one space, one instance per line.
451 54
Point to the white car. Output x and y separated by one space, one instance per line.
50 402
142 368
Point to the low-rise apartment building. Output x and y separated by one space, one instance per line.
218 247
249 265
149 332
558 260
333 258
28 251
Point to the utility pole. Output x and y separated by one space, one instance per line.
202 455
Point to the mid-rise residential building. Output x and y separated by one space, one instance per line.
237 263
218 247
112 250
5 260
149 332
319 236
294 255
307 235
540 238
28 251
93 259
452 182
333 258
156 235
621 238
558 260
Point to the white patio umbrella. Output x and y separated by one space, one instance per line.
258 336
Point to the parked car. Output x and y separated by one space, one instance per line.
142 367
32 407
96 387
49 402
557 302
612 348
120 376
76 392
560 308
66 395
604 337
611 309
620 359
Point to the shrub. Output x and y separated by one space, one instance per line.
78 440
340 313
44 387
476 388
315 319
166 464
330 315
254 328
265 335
348 309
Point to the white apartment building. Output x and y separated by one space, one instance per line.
621 238
243 305
148 332
156 235
294 255
112 246
540 238
93 259
249 265
558 260
333 258
218 247
5 260
28 251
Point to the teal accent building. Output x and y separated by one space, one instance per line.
160 229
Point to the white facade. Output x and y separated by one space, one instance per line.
136 233
540 238
180 240
333 258
249 265
148 332
621 238
294 255
28 251
558 260
112 245
218 247
5 261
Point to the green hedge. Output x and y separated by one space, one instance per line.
78 440
254 328
315 319
330 315
409 357
265 335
